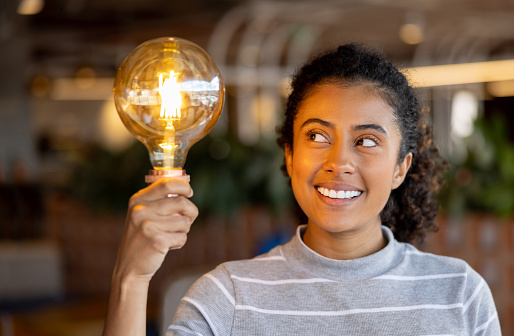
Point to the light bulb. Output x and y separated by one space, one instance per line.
169 94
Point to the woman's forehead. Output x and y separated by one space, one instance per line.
343 103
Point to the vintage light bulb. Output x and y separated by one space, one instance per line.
169 94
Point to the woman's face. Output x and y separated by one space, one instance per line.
344 160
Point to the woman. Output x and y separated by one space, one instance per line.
365 172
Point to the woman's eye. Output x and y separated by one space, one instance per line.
317 137
367 142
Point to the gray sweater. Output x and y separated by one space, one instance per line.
292 290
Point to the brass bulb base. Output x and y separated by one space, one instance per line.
154 175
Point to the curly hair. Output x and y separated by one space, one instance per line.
411 209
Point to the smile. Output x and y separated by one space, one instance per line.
338 193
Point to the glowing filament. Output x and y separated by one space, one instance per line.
170 96
170 111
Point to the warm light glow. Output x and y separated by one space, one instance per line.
30 7
40 86
112 133
85 78
285 87
411 33
171 100
68 89
463 73
170 96
501 89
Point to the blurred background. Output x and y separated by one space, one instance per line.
68 166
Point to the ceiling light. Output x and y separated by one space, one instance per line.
462 73
30 7
501 89
411 33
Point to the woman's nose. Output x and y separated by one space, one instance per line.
339 160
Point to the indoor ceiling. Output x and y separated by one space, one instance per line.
69 34
256 43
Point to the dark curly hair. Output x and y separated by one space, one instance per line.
411 209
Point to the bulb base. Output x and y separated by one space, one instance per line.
154 175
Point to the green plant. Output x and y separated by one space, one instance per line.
484 181
105 180
225 175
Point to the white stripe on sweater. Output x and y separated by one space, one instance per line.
280 282
349 311
204 314
381 277
270 258
474 295
416 252
483 326
177 327
223 289
420 277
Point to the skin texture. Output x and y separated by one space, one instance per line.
155 224
345 138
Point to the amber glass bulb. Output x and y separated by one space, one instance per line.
169 94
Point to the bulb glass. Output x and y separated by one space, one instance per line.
169 94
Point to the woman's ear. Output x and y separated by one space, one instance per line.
401 171
289 159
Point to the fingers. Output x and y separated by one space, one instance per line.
155 224
164 236
169 224
163 220
171 206
161 189
171 212
163 209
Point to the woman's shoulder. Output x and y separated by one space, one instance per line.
427 263
261 263
223 275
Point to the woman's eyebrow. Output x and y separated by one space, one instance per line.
329 124
318 121
375 127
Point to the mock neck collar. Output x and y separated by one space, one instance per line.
366 267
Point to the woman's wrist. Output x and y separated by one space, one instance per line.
126 313
127 282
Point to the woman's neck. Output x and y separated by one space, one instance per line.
345 245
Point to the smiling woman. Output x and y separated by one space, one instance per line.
365 172
381 91
353 148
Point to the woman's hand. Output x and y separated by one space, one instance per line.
158 219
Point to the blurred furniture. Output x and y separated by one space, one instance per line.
21 211
30 276
29 270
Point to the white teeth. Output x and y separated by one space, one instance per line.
338 194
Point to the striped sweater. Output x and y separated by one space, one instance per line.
292 290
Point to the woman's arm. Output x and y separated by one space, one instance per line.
155 224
